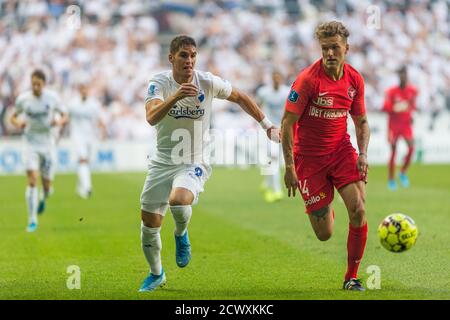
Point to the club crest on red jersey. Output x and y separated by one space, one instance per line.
351 92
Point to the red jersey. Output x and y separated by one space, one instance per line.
323 105
399 104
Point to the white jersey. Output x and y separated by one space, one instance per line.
84 118
182 133
39 113
273 101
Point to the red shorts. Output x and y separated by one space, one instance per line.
318 176
395 132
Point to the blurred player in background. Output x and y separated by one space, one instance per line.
399 104
40 107
179 103
85 120
323 157
272 98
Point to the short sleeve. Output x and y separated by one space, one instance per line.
154 91
58 105
299 96
387 106
221 88
358 106
19 104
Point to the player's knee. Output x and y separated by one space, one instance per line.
324 235
151 220
181 199
358 213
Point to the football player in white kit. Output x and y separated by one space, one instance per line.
179 105
85 119
272 98
40 107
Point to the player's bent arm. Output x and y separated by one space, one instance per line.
16 122
156 109
362 132
247 104
362 138
287 123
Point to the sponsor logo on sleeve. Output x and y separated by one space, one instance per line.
293 96
153 90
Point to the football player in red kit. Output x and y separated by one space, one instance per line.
400 102
317 149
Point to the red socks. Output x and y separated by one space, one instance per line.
407 160
392 165
356 242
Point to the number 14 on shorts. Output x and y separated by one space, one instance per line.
303 187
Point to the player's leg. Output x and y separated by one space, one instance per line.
353 195
322 222
83 172
404 181
152 246
32 191
180 201
31 196
84 178
392 185
154 203
317 192
274 192
187 185
47 173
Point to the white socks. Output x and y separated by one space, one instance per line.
273 181
151 245
84 177
181 215
31 195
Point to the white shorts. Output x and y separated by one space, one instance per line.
43 160
161 179
83 148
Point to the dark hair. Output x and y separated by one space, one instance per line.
38 74
331 29
402 69
181 41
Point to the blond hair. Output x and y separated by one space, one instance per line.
331 29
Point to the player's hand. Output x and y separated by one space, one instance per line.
274 134
187 90
56 123
291 180
363 165
20 124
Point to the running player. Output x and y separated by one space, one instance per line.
85 119
179 104
323 157
40 107
272 97
399 103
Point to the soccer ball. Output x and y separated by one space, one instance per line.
397 232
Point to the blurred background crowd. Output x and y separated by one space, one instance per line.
117 45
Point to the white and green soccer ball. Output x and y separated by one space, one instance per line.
397 232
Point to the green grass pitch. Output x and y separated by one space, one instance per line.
243 248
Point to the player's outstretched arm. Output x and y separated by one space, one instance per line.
290 177
249 106
156 109
362 138
19 124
